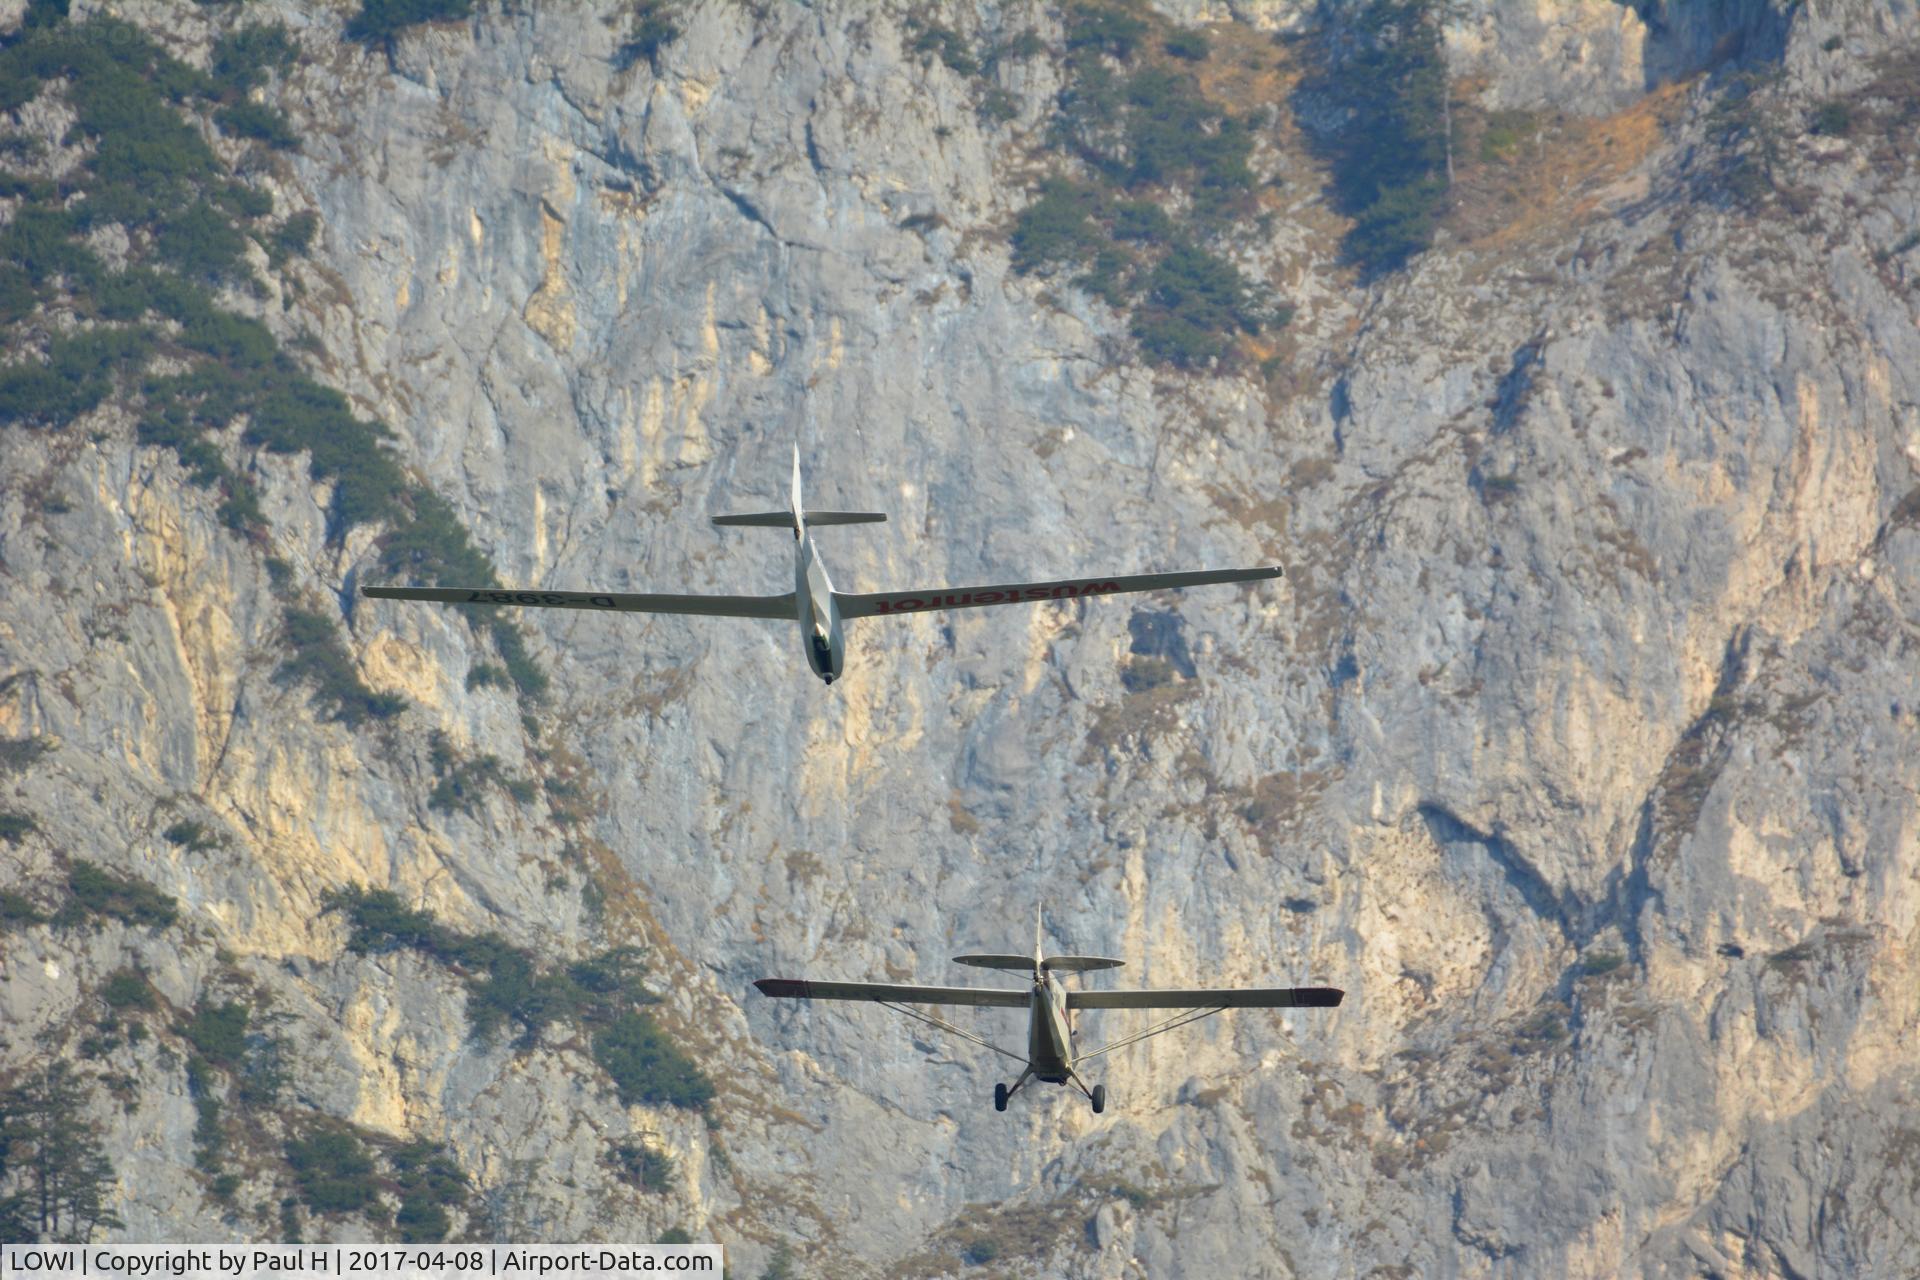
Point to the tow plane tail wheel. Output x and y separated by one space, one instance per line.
1000 1096
1099 1098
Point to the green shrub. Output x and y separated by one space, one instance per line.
652 30
15 827
1798 953
1141 221
255 120
219 1032
980 1250
461 781
458 790
191 835
201 243
1833 119
41 242
242 58
77 376
645 1066
997 106
19 754
381 20
321 659
641 1166
18 297
209 1134
1194 300
1115 30
504 984
427 1181
485 675
1505 133
1058 227
675 1235
1597 963
128 989
333 1171
294 237
421 1221
98 892
1111 278
1173 134
18 909
943 41
380 922
1189 45
1398 223
1386 75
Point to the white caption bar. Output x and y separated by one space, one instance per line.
354 1261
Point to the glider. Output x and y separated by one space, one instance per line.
819 608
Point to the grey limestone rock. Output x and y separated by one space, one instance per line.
1577 745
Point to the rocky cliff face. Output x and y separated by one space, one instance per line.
1578 746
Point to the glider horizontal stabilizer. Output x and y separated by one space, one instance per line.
1229 998
608 601
997 960
868 606
891 993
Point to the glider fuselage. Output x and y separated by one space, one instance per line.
819 616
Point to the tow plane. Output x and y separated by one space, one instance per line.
820 609
1051 1056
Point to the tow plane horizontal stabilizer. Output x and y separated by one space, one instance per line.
784 519
1024 964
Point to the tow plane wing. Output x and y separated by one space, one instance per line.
891 993
783 607
1226 998
890 602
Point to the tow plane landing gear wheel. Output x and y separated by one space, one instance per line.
1099 1098
1000 1096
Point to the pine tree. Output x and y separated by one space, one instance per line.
51 1162
1385 72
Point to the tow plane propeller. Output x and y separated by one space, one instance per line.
1051 1055
813 601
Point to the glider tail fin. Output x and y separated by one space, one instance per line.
796 503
